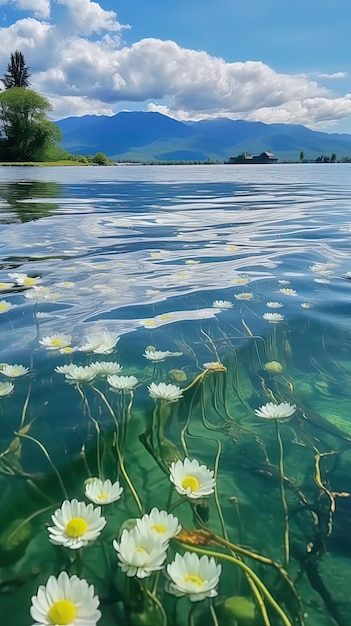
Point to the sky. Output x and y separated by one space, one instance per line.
274 61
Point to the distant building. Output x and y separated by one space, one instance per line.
264 157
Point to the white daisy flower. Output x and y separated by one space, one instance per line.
51 296
106 368
41 289
276 411
140 554
274 305
5 306
160 522
156 355
77 373
16 275
322 281
23 279
64 369
13 371
323 268
68 350
306 305
273 318
288 292
100 343
76 524
241 281
34 295
5 286
162 391
192 479
214 366
193 576
65 600
122 383
66 284
222 304
102 491
55 341
244 296
6 389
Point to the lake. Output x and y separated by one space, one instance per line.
184 332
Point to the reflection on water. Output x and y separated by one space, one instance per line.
189 299
26 201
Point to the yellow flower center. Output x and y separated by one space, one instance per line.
160 528
29 281
103 496
149 322
62 612
76 527
56 342
3 307
190 482
142 550
195 579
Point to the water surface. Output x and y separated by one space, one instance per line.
186 260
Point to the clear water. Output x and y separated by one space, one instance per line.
144 253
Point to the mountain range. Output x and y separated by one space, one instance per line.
151 136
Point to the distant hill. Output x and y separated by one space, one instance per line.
152 136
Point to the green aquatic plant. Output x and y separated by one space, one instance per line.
125 445
238 610
273 367
277 412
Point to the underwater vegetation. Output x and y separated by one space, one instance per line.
175 434
176 490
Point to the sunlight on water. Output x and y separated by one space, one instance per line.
184 333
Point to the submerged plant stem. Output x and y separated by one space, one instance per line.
25 407
45 452
97 430
282 495
153 597
119 453
258 582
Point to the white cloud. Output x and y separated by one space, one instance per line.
67 106
335 75
86 17
314 113
40 8
34 38
78 63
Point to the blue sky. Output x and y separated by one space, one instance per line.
261 60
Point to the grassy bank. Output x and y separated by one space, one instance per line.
41 164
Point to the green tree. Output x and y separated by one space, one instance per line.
333 157
26 134
100 159
302 155
17 74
